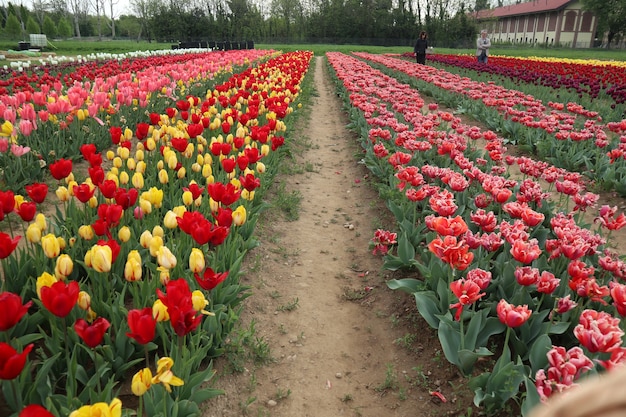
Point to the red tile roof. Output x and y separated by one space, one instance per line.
530 7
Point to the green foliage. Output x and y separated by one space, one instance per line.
32 26
13 28
64 28
49 27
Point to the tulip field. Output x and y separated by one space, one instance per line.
130 187
507 277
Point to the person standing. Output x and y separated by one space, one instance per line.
420 48
482 47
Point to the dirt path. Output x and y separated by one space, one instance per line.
341 343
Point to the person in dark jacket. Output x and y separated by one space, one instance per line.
420 48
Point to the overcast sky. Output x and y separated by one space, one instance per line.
120 7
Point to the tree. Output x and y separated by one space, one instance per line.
64 28
481 5
611 15
13 27
49 28
32 26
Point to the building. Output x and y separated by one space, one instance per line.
546 22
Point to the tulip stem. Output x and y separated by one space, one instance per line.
140 410
462 330
95 366
18 397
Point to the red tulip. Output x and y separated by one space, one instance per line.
468 292
210 279
37 191
27 211
60 298
598 331
92 334
35 410
12 308
12 363
142 325
512 316
7 201
7 244
453 252
83 192
177 299
525 251
61 169
116 134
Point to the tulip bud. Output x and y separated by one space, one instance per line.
239 216
166 258
137 180
187 198
181 173
64 267
124 234
150 144
164 275
155 244
131 164
110 155
40 221
159 311
145 205
145 238
123 152
84 301
63 194
158 231
163 177
33 233
179 210
44 280
198 301
124 178
86 232
50 246
247 195
141 167
117 162
169 220
101 258
260 167
132 270
196 261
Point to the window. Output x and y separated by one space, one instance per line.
586 23
570 21
530 23
541 23
552 21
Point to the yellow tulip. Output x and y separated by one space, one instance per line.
145 205
165 375
63 194
171 160
6 129
131 164
44 280
199 302
158 231
247 195
260 167
179 210
141 382
239 216
181 173
150 144
33 233
195 167
123 152
50 245
101 258
155 244
84 300
196 260
64 266
128 134
117 162
207 171
62 243
166 258
110 155
159 311
213 205
141 167
265 150
87 259
114 409
163 177
124 178
124 234
40 221
145 238
170 220
137 180
86 232
164 275
132 270
160 164
187 198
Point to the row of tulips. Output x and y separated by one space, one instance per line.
584 77
565 134
138 271
498 264
49 114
